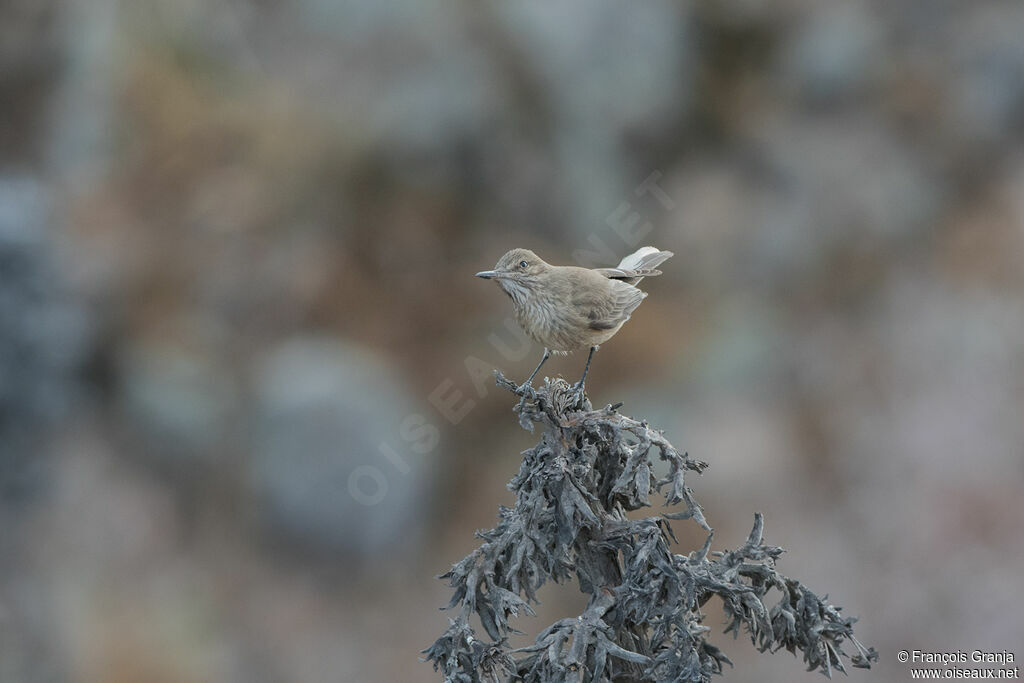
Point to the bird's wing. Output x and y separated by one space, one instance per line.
625 274
607 307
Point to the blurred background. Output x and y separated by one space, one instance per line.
246 413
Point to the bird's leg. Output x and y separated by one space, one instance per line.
582 383
544 359
526 386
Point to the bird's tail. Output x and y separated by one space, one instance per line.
642 263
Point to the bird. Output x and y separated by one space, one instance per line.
569 308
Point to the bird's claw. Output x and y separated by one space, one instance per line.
525 390
579 391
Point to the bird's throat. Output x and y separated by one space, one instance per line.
518 290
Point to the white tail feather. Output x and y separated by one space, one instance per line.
645 257
633 261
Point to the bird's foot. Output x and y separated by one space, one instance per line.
525 390
579 391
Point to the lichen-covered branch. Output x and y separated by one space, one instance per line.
644 620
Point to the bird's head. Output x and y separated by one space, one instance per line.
517 272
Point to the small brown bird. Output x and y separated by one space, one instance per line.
566 308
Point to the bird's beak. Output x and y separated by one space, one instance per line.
487 274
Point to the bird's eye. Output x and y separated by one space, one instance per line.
523 264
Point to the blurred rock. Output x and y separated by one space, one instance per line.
413 81
986 56
323 411
855 175
83 105
608 71
29 64
835 52
811 190
178 400
43 334
952 378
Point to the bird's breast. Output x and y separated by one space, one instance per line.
548 324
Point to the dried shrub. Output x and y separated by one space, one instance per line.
644 620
